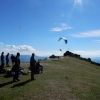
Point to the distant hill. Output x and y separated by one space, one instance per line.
26 58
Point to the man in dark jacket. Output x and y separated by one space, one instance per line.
12 59
7 59
32 65
2 58
16 67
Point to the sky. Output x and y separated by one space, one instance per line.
34 26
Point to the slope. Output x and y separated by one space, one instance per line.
66 78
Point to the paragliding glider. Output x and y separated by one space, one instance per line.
60 50
63 39
20 27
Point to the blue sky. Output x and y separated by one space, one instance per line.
28 26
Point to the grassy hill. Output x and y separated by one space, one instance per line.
63 79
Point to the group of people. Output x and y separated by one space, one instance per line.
2 62
35 66
7 59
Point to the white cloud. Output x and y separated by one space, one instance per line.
78 2
95 33
59 53
48 53
62 27
1 43
97 41
28 50
85 54
23 49
43 53
88 54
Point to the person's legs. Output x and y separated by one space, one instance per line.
32 75
2 64
12 64
14 77
7 63
17 75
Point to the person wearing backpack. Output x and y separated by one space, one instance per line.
2 58
7 60
32 66
16 68
12 59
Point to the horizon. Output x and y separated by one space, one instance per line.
50 55
93 59
34 26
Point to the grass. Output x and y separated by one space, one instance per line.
63 79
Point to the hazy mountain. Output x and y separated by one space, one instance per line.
26 58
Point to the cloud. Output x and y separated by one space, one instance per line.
1 43
28 50
85 54
88 54
78 5
49 53
95 33
62 27
23 49
59 53
97 41
78 2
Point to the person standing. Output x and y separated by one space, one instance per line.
12 59
32 65
2 58
7 60
16 68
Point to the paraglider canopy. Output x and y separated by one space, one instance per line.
60 50
63 39
20 27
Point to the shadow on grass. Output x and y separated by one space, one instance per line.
8 76
4 84
22 83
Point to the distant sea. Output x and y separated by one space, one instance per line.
26 58
96 59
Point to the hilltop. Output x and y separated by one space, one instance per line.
66 78
71 54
